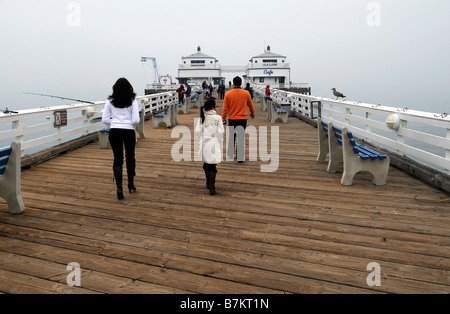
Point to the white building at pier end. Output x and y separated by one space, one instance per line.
266 68
269 68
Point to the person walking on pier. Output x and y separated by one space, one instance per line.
221 91
249 89
122 114
268 93
188 91
181 93
236 106
210 130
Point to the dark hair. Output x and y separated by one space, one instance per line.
210 104
123 94
237 81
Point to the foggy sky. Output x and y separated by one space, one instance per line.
402 61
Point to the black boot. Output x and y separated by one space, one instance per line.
206 176
131 171
212 182
118 176
131 187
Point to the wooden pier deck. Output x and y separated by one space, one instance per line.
293 231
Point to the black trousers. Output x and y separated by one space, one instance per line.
210 167
237 128
120 138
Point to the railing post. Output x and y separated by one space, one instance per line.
401 138
368 128
347 113
447 152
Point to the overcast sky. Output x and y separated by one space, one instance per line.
393 52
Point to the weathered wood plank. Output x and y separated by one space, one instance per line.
293 231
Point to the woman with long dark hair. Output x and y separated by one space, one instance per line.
122 114
210 131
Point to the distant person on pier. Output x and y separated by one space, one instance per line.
268 93
188 90
210 130
236 106
122 114
221 91
249 89
181 93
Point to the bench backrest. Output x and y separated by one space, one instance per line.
4 157
338 133
325 127
362 151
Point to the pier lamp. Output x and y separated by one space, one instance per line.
393 122
90 112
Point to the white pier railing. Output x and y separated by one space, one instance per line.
422 136
39 129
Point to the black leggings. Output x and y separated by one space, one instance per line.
118 138
210 167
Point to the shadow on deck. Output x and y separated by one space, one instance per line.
293 231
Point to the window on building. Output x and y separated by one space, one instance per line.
198 63
261 79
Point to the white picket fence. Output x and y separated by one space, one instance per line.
419 135
37 129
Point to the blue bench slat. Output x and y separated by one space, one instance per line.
337 130
374 152
162 114
4 161
362 150
2 170
5 152
325 127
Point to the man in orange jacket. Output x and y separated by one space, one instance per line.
236 105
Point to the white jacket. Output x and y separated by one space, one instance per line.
121 118
210 134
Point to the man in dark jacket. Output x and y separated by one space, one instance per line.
249 89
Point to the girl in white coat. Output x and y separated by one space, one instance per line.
210 130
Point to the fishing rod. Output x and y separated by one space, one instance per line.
63 98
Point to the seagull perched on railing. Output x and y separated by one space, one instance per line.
338 94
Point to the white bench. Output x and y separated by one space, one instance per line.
263 103
103 138
174 114
329 144
185 107
357 158
10 178
195 101
140 127
342 148
163 117
275 113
